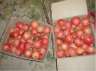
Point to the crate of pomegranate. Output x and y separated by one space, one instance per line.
25 40
74 37
27 33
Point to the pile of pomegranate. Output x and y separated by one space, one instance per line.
28 40
73 37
